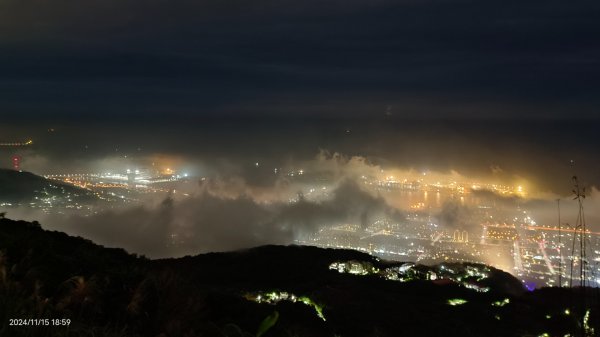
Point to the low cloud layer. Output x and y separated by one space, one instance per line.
209 222
245 207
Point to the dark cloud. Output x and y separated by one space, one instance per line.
349 205
455 216
429 59
206 223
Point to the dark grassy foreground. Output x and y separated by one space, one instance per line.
108 292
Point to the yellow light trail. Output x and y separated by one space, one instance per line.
26 143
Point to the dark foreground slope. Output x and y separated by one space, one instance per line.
266 291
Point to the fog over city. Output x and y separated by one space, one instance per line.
248 187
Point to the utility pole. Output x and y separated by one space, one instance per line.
559 246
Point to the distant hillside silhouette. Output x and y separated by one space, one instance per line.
23 187
265 291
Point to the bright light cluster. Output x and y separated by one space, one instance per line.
274 297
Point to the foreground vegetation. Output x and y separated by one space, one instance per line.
266 291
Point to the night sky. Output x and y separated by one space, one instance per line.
443 85
129 59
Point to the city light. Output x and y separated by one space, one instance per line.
456 301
